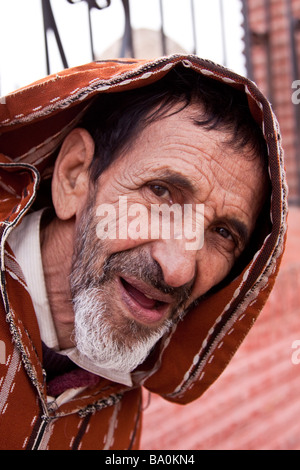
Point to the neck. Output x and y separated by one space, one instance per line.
57 249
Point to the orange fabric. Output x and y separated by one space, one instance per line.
33 123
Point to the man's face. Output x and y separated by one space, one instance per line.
127 291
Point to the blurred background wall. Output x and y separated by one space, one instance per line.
255 404
273 54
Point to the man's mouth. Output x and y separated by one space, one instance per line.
146 304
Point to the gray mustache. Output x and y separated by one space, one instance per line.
139 264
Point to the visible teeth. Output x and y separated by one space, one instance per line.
148 296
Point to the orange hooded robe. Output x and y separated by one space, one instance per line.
107 415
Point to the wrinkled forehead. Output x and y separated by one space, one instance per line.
179 140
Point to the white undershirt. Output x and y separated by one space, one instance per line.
25 243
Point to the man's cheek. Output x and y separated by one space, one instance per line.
122 226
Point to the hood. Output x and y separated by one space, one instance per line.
33 122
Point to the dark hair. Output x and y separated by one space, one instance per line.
115 119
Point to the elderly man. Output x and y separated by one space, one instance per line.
96 303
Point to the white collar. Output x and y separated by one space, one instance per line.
25 243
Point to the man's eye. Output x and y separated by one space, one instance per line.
160 191
223 232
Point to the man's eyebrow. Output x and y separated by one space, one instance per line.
240 228
177 179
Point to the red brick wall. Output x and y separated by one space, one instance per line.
278 55
255 404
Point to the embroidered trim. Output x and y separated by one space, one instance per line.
100 404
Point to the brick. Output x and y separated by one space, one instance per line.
281 71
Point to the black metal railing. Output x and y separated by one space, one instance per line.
127 47
127 44
50 25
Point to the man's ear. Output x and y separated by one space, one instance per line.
70 182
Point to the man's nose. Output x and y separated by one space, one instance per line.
177 263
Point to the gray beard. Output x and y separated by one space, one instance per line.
97 339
